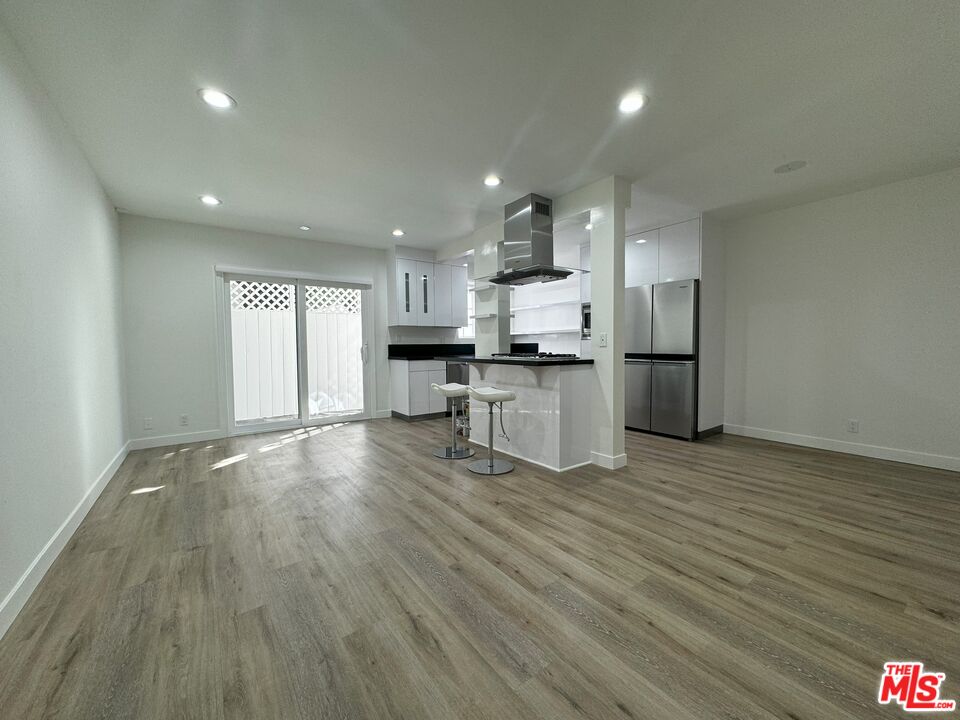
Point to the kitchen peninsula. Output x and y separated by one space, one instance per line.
548 424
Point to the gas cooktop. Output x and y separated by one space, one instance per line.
544 355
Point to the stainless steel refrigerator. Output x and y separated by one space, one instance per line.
661 358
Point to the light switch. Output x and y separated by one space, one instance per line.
601 339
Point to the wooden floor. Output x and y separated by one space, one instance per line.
349 574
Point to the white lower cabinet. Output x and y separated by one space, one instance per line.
410 387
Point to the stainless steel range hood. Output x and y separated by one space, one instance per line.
526 253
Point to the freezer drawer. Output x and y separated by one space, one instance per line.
675 318
638 309
673 398
637 394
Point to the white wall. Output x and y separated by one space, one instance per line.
850 308
170 296
61 425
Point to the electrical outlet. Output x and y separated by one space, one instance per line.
184 420
601 339
853 425
148 423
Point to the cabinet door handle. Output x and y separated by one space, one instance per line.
406 290
425 302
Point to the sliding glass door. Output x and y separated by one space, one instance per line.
263 328
335 352
296 353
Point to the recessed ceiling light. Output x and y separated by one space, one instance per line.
216 98
492 180
790 166
211 200
588 226
641 242
631 102
304 227
465 264
398 232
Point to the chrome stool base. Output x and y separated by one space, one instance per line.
488 466
454 453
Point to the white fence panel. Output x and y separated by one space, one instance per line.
264 364
334 363
334 344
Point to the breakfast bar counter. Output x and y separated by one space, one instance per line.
549 423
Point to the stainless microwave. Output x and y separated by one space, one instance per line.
585 321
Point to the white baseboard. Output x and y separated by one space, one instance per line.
181 439
610 462
382 414
941 462
17 597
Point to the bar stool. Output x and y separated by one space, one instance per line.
457 393
491 465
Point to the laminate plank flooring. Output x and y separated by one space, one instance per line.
344 572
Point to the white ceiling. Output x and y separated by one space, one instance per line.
357 116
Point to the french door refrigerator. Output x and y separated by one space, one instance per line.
660 356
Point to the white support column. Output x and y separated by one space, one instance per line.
607 200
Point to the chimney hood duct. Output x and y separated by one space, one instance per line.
525 255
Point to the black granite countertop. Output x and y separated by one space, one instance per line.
429 351
528 362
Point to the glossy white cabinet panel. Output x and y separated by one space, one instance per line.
458 296
680 251
406 292
438 403
419 393
443 297
426 300
642 259
399 387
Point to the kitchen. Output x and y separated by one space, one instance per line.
543 272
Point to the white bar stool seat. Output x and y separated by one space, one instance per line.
492 396
456 392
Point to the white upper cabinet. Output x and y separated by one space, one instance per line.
426 298
458 296
428 295
406 299
663 255
442 283
642 262
680 251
